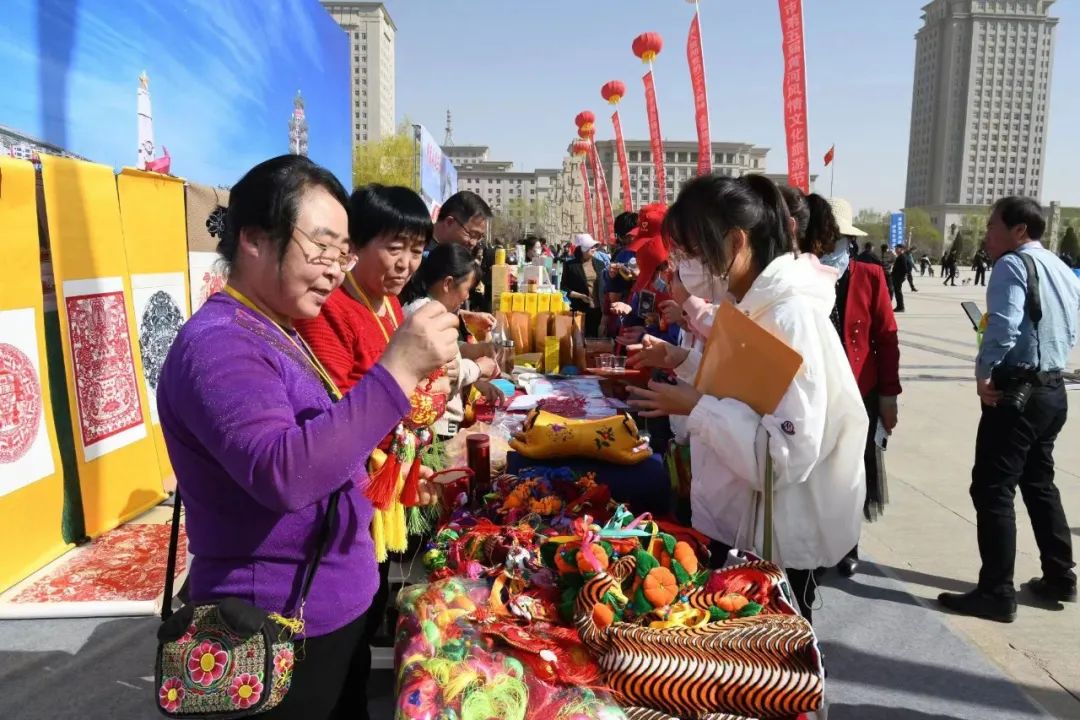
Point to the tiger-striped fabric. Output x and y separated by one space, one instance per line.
640 713
763 666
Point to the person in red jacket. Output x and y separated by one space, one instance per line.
863 317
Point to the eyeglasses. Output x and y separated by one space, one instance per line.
347 260
471 234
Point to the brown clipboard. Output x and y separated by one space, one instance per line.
744 361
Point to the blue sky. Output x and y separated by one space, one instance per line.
515 73
223 74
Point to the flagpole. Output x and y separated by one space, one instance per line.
832 171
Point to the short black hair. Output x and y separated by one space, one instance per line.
446 260
1016 210
884 246
798 208
710 206
625 222
463 206
376 210
868 246
268 198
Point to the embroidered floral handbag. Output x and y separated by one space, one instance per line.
226 659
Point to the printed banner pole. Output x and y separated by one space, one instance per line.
655 139
607 225
695 57
794 89
646 47
587 199
624 166
613 92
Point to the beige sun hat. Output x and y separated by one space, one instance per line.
841 210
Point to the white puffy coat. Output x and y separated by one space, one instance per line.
816 437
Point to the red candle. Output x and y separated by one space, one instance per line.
478 452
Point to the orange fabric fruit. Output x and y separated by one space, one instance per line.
601 557
686 557
732 602
660 587
602 615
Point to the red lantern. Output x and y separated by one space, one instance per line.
647 46
586 132
585 118
613 91
580 148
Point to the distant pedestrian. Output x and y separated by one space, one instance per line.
867 255
888 261
979 264
909 266
899 272
948 268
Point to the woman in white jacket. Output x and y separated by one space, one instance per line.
740 230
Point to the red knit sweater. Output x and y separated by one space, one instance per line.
346 336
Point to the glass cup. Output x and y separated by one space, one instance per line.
604 361
618 363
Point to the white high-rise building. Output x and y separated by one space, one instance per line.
979 104
371 49
680 165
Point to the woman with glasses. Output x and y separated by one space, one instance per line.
260 436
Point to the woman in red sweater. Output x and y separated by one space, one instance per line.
864 318
388 227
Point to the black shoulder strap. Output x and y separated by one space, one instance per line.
170 564
322 543
1032 299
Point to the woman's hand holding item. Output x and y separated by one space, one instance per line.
656 353
662 398
427 340
493 395
621 308
672 313
888 411
488 367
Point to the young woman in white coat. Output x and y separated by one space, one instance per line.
740 230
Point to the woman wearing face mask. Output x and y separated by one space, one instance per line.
863 318
739 229
694 294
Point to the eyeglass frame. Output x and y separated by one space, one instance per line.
471 234
345 260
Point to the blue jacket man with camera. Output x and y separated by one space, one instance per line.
1032 304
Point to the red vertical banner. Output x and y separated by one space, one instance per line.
798 150
696 61
654 136
624 168
587 196
603 203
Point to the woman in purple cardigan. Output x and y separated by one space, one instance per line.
258 442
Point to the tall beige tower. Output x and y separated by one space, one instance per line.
371 59
979 103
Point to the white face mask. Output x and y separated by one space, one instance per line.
838 258
699 282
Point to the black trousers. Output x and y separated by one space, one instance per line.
911 281
1017 449
329 678
980 276
802 581
898 290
